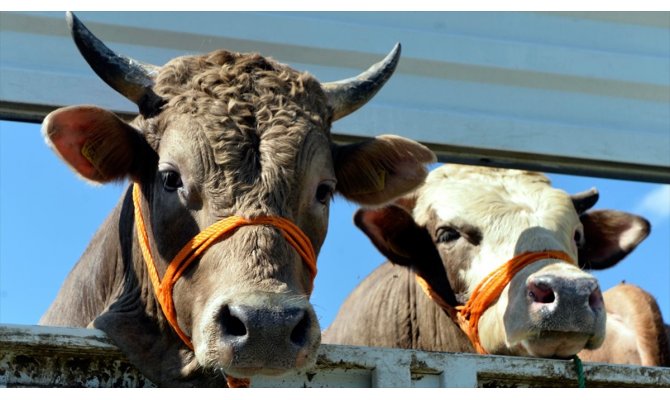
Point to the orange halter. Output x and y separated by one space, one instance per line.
201 242
487 292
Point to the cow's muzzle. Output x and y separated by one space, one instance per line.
566 312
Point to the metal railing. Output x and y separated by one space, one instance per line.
39 356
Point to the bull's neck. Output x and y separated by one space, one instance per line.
110 269
137 288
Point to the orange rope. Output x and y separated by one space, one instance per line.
487 292
201 242
433 295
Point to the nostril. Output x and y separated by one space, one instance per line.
300 331
231 325
540 292
596 299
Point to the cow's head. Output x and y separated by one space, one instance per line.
228 134
468 221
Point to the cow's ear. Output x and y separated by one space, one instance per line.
381 169
97 144
393 231
609 236
398 237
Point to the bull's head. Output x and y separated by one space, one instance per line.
220 135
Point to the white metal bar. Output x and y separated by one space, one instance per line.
43 356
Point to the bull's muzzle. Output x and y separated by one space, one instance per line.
258 334
271 339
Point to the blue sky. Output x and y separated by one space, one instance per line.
48 215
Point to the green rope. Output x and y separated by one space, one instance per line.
579 368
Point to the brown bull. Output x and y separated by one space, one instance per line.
462 224
205 268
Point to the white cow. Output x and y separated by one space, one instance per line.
466 222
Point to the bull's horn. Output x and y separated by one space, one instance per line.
348 95
585 200
131 78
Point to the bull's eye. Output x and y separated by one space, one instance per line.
171 180
448 234
324 192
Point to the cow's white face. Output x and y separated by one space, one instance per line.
479 219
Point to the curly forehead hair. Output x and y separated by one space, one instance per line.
243 91
254 112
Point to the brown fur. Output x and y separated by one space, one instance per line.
364 178
636 334
247 106
605 248
398 314
104 148
245 136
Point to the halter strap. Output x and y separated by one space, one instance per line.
201 242
487 292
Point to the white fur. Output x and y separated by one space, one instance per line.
516 211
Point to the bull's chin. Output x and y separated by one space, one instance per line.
250 369
561 345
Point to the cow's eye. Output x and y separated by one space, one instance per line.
324 192
446 235
579 238
171 180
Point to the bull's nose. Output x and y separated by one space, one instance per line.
550 290
271 338
242 323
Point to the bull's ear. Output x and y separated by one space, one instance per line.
379 170
609 236
97 144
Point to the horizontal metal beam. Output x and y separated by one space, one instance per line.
447 153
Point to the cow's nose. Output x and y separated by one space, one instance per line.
276 336
540 291
565 313
549 289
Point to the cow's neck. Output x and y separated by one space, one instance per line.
436 331
389 309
